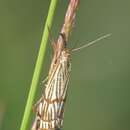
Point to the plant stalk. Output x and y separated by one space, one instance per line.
38 66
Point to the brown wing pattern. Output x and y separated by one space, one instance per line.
50 109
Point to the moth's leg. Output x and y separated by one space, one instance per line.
45 80
43 83
37 104
51 39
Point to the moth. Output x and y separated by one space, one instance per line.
50 108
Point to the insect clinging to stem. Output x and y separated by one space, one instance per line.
50 108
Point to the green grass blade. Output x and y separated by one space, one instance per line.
38 67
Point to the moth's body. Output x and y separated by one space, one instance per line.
50 108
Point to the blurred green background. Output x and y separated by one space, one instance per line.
99 89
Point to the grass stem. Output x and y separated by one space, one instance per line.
38 66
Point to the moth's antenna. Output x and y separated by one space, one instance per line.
92 42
